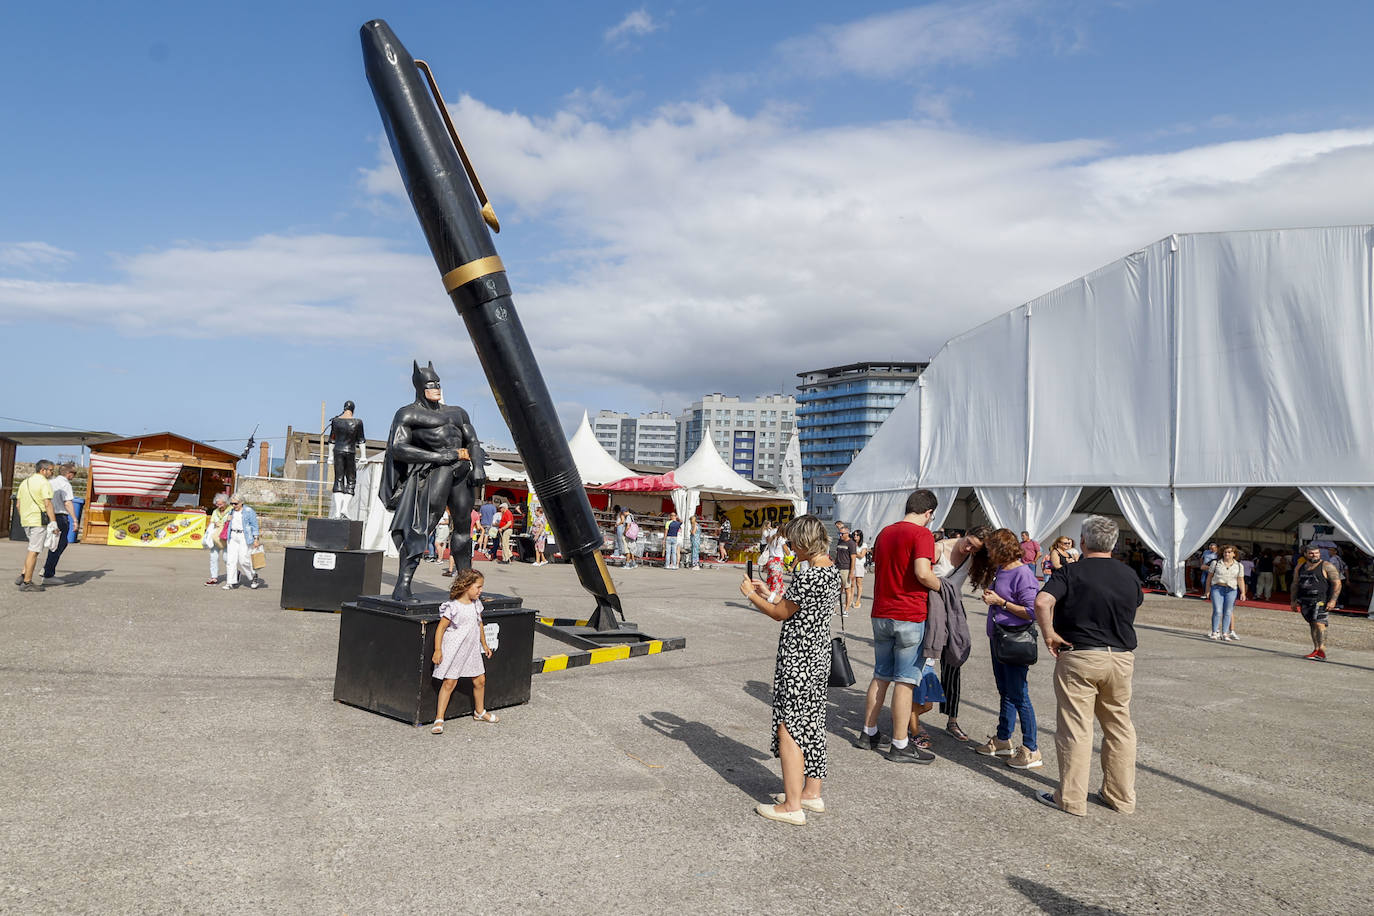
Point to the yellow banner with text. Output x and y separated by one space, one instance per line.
154 528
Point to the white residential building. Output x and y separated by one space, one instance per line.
650 438
751 436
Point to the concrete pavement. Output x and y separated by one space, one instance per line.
174 748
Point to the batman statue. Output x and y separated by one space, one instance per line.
433 462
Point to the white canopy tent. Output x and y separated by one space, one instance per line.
594 464
706 472
1178 377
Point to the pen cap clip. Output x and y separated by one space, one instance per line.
488 214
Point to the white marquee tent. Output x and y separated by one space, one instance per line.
594 464
1178 377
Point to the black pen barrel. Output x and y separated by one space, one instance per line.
473 275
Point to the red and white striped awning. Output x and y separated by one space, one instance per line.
133 477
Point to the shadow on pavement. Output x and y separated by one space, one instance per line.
735 762
62 580
1289 653
1051 780
1052 901
841 706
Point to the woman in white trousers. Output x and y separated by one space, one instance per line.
243 537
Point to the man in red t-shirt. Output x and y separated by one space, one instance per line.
505 525
902 577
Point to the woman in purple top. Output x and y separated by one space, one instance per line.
1009 589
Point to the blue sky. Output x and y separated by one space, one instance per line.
695 197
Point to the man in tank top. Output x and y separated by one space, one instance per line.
1316 586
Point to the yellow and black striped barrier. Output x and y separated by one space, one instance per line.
606 654
561 622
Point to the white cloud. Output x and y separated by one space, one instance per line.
705 250
636 23
316 287
33 255
903 41
597 102
702 250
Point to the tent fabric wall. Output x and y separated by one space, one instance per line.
869 512
1174 522
1351 509
1200 363
1277 332
1082 433
974 396
1037 510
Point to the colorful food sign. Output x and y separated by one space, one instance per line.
154 528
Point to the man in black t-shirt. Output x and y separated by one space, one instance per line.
1087 612
844 559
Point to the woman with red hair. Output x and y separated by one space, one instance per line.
1009 588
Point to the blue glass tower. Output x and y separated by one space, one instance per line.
838 411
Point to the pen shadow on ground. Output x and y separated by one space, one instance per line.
67 580
734 761
847 705
1052 901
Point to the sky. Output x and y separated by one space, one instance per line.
202 228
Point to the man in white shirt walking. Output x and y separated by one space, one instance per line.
63 513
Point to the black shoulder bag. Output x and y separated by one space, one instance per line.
44 520
1015 645
841 673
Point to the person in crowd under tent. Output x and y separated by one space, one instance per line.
1225 582
1316 586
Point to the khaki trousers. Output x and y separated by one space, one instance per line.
505 544
1097 684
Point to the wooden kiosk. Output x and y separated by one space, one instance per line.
205 471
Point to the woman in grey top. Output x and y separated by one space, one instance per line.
953 559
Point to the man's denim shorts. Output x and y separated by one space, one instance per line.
897 650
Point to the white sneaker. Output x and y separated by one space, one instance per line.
1232 636
1214 635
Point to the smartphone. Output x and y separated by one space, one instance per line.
748 569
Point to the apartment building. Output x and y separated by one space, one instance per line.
751 436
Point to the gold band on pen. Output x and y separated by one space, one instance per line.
466 273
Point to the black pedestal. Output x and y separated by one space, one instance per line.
322 580
333 534
386 651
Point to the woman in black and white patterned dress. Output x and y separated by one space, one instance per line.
803 670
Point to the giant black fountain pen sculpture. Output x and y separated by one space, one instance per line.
456 217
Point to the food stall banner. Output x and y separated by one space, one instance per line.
113 476
748 520
155 528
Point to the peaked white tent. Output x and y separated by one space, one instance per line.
706 470
1176 377
594 464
